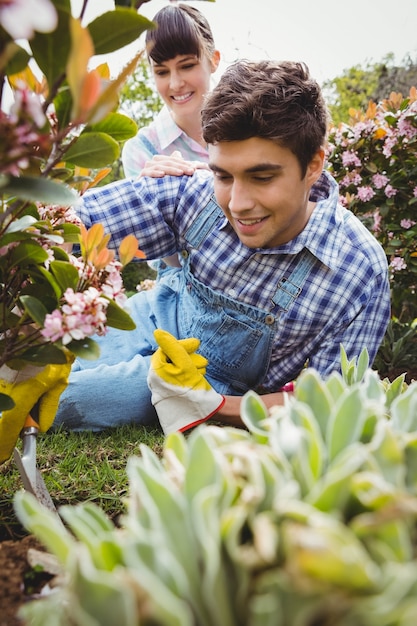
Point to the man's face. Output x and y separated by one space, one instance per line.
258 185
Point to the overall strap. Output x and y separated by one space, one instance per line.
203 223
290 288
148 145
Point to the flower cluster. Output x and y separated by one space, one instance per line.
60 133
23 140
374 160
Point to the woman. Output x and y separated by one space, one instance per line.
183 57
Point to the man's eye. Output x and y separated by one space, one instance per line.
221 176
263 179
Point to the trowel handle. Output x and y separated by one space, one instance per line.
30 422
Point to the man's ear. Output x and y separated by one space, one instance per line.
315 167
215 60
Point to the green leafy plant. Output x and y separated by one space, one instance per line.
59 134
307 518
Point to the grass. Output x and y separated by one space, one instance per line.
79 467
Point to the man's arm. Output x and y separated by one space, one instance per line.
229 414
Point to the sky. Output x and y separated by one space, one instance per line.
328 35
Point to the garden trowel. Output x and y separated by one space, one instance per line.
26 463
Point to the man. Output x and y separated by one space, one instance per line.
275 275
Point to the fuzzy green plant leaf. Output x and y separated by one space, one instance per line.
332 491
93 150
101 597
387 452
45 524
202 468
330 554
215 581
303 415
176 452
312 390
394 389
404 411
254 415
94 530
335 385
346 422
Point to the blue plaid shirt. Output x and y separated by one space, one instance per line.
345 299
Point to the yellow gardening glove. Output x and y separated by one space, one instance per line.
181 395
43 386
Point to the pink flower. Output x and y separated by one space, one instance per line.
407 224
365 193
398 264
350 158
415 192
82 315
390 192
21 18
377 222
379 180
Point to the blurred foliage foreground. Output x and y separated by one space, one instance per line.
308 518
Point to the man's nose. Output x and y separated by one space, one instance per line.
240 199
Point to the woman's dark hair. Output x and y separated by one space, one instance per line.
180 29
270 100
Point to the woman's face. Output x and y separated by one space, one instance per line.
182 83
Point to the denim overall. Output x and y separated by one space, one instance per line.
236 338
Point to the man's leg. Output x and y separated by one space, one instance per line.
107 396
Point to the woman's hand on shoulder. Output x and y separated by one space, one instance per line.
173 165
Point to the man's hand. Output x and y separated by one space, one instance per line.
181 395
174 165
43 387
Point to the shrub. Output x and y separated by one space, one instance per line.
374 160
307 518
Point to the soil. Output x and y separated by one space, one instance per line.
19 582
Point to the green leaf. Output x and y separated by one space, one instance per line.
118 318
18 61
92 150
41 189
117 125
115 29
28 253
51 50
65 274
45 524
34 308
6 403
85 348
63 106
346 423
44 353
202 469
311 390
254 413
